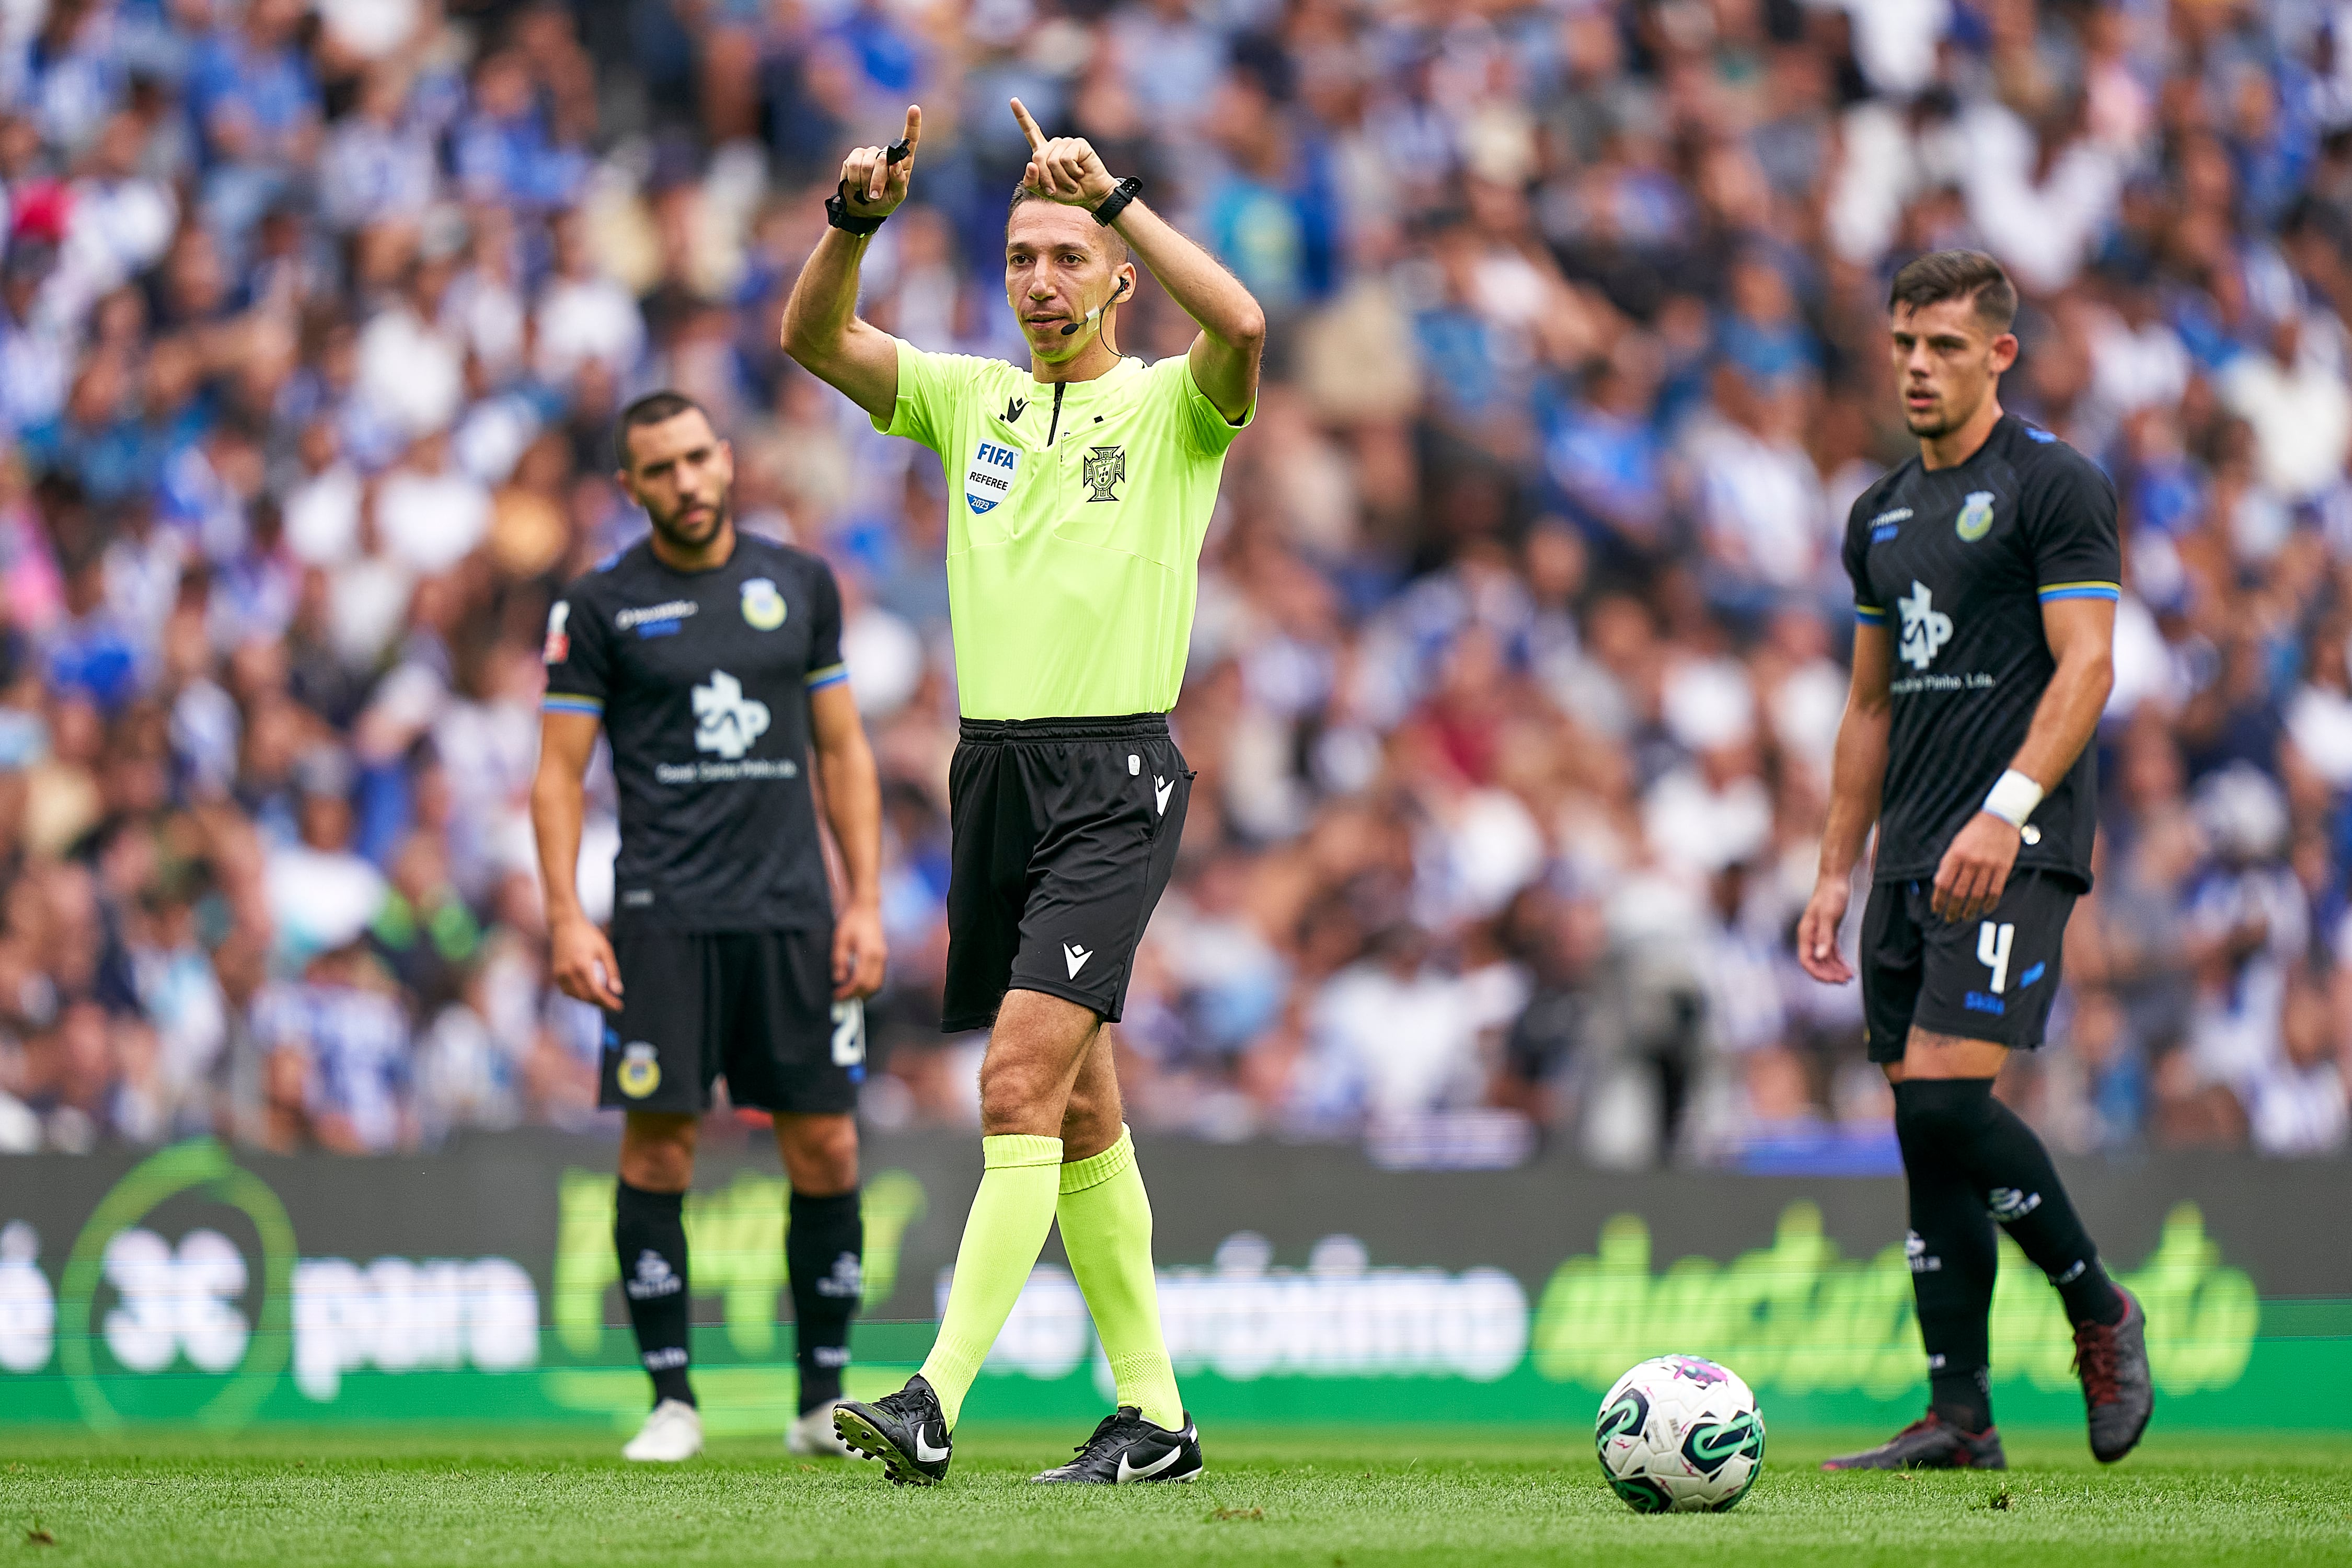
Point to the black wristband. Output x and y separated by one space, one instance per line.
1113 205
838 212
837 205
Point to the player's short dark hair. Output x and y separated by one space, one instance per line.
1942 275
1113 240
653 408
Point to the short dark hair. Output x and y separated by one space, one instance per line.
1113 240
653 408
1943 275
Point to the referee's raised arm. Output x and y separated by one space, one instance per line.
1232 340
821 329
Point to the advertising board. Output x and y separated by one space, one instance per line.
203 1285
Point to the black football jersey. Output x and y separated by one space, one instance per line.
702 681
1956 563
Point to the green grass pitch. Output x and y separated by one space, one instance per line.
1406 1496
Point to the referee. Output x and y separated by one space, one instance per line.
713 661
1080 487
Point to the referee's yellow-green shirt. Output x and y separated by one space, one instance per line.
1074 519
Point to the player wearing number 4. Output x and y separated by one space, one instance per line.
1080 487
712 660
1985 579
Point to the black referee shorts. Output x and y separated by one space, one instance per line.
755 1006
1990 979
1064 837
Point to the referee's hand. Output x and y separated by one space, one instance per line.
583 963
1067 169
871 185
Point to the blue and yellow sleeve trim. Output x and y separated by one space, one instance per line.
1870 615
566 702
831 674
2051 591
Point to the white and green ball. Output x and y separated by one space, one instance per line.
1680 1435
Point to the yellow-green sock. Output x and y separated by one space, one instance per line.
1105 1219
1001 1238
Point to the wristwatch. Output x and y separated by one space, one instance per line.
1113 205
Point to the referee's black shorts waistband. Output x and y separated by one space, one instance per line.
1114 727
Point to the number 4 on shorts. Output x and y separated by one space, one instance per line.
1992 951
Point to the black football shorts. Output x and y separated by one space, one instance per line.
755 1006
1064 837
1989 979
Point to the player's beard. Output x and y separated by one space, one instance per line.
678 533
1947 416
1930 427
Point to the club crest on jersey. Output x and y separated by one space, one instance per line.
639 1073
1976 516
559 641
764 606
988 477
1105 467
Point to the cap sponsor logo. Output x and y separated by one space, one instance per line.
725 720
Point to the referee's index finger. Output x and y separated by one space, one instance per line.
1029 127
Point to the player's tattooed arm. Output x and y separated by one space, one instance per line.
2080 633
821 329
579 956
853 810
1857 774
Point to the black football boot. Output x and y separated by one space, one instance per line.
907 1431
1126 1449
1930 1443
2117 1394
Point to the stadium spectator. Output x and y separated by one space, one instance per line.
1517 650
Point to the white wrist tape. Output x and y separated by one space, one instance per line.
2013 798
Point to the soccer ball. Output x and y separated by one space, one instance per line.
1680 1435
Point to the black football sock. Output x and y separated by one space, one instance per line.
2013 1172
1955 1258
821 1250
649 1233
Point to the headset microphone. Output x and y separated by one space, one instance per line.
1097 310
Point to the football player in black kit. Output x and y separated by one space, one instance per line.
712 660
1985 577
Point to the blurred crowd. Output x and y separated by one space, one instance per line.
1518 656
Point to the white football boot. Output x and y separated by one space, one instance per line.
673 1432
813 1435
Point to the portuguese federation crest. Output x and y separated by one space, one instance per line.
1976 516
1105 467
